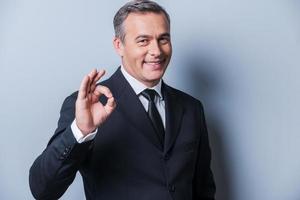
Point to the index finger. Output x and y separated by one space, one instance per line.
100 89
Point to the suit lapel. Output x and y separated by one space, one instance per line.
130 106
174 113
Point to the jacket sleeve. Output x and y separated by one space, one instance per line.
203 185
55 169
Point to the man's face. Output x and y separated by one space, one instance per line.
146 50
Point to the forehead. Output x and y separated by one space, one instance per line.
148 21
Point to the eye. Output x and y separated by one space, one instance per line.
164 40
142 42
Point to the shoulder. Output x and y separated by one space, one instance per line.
71 99
184 97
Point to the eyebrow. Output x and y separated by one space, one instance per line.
165 35
142 36
148 36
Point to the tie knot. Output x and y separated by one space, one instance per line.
149 94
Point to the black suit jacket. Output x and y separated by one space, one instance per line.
126 161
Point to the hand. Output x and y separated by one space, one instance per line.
90 113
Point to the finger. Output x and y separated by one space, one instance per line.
110 104
92 73
84 87
98 76
100 89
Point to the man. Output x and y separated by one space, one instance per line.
132 136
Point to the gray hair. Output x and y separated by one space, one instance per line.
136 6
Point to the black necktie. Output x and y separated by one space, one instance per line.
154 114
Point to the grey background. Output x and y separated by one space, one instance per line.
241 58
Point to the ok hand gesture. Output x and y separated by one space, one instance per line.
89 111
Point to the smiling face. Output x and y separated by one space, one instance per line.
146 50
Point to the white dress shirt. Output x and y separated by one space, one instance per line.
138 87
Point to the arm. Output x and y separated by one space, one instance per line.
204 185
55 169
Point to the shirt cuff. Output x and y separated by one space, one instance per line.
80 138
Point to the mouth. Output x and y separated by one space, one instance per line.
155 64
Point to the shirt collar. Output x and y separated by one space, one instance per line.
137 86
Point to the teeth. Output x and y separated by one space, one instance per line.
154 62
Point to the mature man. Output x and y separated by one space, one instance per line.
132 136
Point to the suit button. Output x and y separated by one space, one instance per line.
166 157
171 188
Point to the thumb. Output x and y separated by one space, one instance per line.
110 105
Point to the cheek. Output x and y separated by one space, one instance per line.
135 55
168 50
139 56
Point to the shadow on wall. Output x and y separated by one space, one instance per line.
205 84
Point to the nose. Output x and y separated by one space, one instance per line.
154 49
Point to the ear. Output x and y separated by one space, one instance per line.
118 45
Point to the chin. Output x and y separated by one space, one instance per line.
155 76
